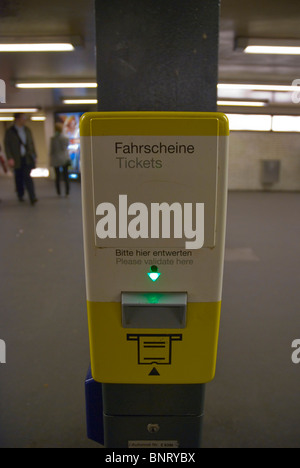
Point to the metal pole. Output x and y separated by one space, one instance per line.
155 56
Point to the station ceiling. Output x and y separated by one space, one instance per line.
239 18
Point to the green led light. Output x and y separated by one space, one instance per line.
154 274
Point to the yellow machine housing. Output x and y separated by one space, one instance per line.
143 331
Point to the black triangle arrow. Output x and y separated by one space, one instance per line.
154 372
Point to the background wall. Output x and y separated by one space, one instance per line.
247 150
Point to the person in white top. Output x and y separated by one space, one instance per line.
59 157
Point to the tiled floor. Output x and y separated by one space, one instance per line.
254 399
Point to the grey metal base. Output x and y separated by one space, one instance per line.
153 416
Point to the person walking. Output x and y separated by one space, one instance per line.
59 158
2 163
21 156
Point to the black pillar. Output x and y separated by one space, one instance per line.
157 55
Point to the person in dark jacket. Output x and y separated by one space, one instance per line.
20 153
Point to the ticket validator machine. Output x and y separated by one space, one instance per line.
154 188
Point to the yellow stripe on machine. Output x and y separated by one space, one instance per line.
151 356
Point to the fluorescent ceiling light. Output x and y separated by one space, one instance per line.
28 110
42 47
286 123
256 123
275 50
257 87
6 119
58 84
38 118
80 101
39 43
268 46
241 103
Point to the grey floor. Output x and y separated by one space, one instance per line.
254 399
